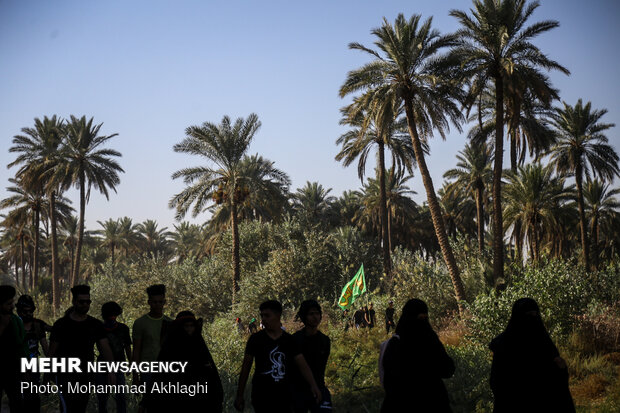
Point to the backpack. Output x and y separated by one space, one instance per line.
382 348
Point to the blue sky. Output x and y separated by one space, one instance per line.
149 69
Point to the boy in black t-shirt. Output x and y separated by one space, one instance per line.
273 350
75 335
315 347
120 344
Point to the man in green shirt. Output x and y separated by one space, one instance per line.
149 330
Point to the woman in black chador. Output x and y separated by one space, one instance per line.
528 374
414 364
184 342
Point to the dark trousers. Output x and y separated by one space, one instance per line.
32 401
9 384
102 398
73 402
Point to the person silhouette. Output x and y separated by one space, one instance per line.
414 363
527 372
184 342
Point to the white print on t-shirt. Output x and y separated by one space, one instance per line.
277 364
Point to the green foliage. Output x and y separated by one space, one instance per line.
469 387
415 277
559 287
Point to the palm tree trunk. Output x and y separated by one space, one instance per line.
30 259
595 236
21 259
55 275
582 217
433 204
75 277
480 215
390 231
387 262
16 263
513 151
536 245
35 257
112 256
235 250
498 230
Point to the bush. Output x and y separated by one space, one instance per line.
558 287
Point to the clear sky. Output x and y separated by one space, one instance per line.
148 69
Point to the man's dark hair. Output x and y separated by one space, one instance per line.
156 289
305 308
111 309
7 292
79 290
272 305
25 301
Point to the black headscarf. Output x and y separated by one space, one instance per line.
409 324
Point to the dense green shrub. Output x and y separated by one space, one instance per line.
558 286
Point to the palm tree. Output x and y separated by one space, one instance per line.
532 198
459 210
600 205
267 197
187 240
405 68
346 206
155 242
401 209
111 236
129 238
38 156
313 204
12 246
582 150
225 146
84 164
473 175
374 123
494 47
28 201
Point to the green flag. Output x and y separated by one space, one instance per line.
353 289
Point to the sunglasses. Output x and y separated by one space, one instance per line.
84 301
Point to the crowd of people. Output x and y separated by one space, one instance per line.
527 371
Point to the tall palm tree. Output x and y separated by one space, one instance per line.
495 49
374 123
38 156
532 197
581 150
84 165
405 68
266 199
224 146
473 175
600 205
